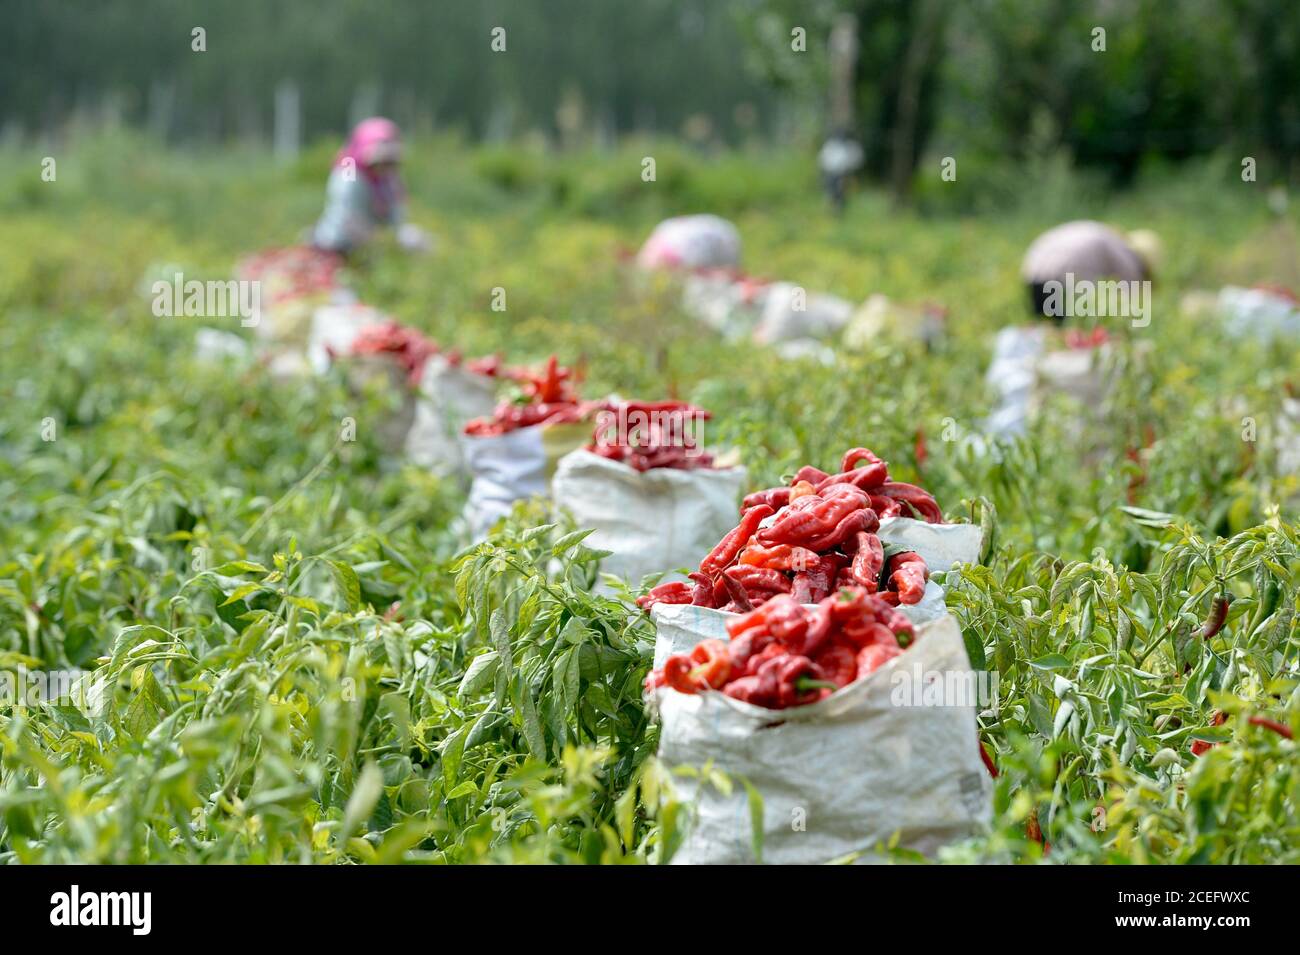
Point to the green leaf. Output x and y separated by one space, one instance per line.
235 567
365 796
1149 518
239 593
348 584
569 541
482 669
532 724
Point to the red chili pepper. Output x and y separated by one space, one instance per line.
988 761
918 499
907 575
746 644
650 434
740 601
774 498
730 545
868 559
779 556
785 619
821 580
702 592
673 592
677 674
810 475
756 661
869 477
707 666
753 689
819 629
1200 746
1281 729
1033 832
863 634
854 456
885 506
712 663
792 522
800 523
755 618
1217 617
846 530
839 663
874 656
901 627
758 578
790 669
851 603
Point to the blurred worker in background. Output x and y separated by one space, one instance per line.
1085 251
840 157
1061 264
365 191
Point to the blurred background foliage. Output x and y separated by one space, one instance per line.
984 79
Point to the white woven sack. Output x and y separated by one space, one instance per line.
505 468
651 521
450 396
791 312
893 755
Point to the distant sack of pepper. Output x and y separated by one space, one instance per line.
651 434
546 397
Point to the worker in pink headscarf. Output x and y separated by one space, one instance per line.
365 191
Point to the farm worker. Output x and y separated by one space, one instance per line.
365 191
691 242
840 157
1083 252
1069 270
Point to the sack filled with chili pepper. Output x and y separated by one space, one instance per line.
837 728
407 347
452 393
512 454
294 281
654 500
545 397
651 434
824 531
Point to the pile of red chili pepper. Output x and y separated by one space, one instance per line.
292 272
810 539
1076 339
489 366
403 344
651 434
547 397
788 654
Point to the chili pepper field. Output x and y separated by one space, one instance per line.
302 660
